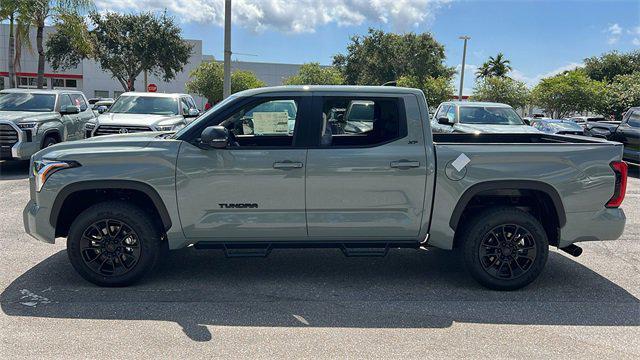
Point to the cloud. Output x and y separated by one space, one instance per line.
533 80
614 31
291 16
635 32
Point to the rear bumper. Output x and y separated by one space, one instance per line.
36 223
606 224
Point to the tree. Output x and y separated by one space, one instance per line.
622 93
607 66
436 90
37 12
124 44
495 66
314 74
379 57
572 91
18 33
503 90
206 81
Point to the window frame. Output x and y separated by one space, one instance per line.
299 138
313 133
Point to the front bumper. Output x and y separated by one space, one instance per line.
22 149
36 223
605 224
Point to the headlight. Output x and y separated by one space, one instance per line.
175 127
89 126
33 126
43 169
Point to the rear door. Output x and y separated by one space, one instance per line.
253 189
366 179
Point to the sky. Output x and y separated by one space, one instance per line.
540 37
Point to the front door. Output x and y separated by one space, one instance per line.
253 189
366 178
69 121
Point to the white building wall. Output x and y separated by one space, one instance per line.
92 80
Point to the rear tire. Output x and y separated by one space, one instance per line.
113 244
504 248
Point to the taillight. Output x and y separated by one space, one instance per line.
620 169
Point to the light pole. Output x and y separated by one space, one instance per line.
226 84
464 57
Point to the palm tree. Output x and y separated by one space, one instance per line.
38 11
483 71
495 66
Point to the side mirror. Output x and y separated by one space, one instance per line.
444 121
216 137
193 112
70 110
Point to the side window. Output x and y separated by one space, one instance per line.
184 106
451 114
78 100
65 101
441 112
268 123
360 122
191 102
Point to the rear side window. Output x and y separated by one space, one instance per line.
360 122
78 100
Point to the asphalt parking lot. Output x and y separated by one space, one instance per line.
315 303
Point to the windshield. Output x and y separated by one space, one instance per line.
145 105
489 115
361 111
634 119
204 116
27 102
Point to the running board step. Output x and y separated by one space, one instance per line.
365 250
350 249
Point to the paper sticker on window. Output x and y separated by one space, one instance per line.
270 122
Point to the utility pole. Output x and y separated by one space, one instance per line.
464 57
226 84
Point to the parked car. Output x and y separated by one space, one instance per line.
478 117
626 131
502 198
530 120
93 101
32 119
583 120
141 111
559 126
102 105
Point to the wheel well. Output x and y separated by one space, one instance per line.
78 201
536 202
52 133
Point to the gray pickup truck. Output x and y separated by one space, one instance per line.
239 180
32 119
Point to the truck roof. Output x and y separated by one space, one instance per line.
41 91
329 88
152 94
475 103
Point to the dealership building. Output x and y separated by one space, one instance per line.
89 78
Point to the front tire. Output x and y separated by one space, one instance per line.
113 244
49 141
505 248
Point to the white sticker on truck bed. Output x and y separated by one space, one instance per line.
460 162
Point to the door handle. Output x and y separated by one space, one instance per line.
287 165
405 164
